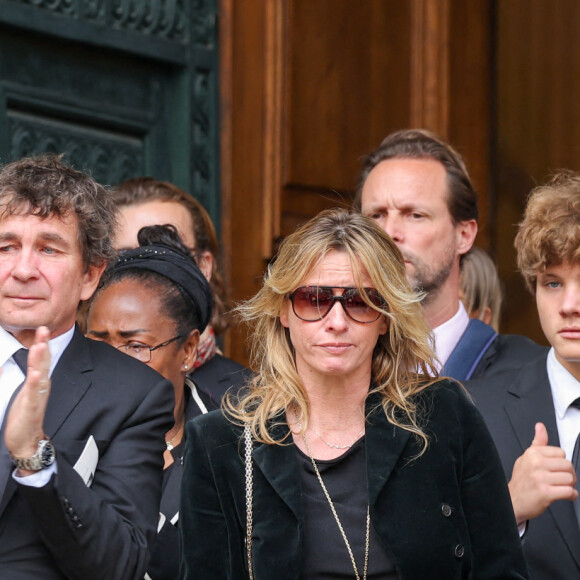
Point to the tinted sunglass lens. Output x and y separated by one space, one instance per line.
311 303
358 309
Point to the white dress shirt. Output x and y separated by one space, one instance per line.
11 378
565 389
447 335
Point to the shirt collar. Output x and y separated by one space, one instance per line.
565 388
447 335
9 345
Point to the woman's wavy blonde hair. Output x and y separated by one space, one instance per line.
403 359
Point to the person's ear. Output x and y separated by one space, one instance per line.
190 351
384 325
204 261
90 280
486 315
284 310
465 232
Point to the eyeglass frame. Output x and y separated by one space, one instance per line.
338 298
150 348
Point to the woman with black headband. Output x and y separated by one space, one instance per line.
153 304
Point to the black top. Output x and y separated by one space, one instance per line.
325 552
164 562
219 375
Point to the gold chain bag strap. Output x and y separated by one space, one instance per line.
249 496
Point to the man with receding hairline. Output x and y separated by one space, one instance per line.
417 188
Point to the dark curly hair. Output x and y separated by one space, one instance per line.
44 186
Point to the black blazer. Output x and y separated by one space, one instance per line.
66 529
512 403
409 499
219 375
507 351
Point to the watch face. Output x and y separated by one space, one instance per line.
46 452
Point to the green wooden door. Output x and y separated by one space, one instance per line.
123 88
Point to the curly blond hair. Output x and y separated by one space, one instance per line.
549 233
403 360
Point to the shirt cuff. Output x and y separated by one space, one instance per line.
38 479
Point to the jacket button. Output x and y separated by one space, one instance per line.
446 509
459 551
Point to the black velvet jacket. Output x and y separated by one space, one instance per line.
445 515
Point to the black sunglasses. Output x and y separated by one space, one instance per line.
311 303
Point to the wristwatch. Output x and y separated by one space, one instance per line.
43 458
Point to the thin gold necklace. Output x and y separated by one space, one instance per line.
336 446
343 533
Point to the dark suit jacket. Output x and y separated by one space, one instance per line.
507 351
66 529
408 499
512 403
218 375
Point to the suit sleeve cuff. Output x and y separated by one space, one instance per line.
38 479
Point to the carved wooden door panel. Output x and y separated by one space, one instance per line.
122 87
102 119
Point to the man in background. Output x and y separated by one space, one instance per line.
417 188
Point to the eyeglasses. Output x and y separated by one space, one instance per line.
143 352
311 303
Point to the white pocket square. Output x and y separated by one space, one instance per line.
86 464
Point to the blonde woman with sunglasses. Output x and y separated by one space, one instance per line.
347 457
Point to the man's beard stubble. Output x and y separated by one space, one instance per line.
427 280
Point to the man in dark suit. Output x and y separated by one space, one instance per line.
82 440
417 188
534 413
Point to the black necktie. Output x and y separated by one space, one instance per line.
576 462
21 359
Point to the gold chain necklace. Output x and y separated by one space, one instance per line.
343 533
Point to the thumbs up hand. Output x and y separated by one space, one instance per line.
541 476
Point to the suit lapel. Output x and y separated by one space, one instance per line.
70 380
279 466
532 403
384 444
